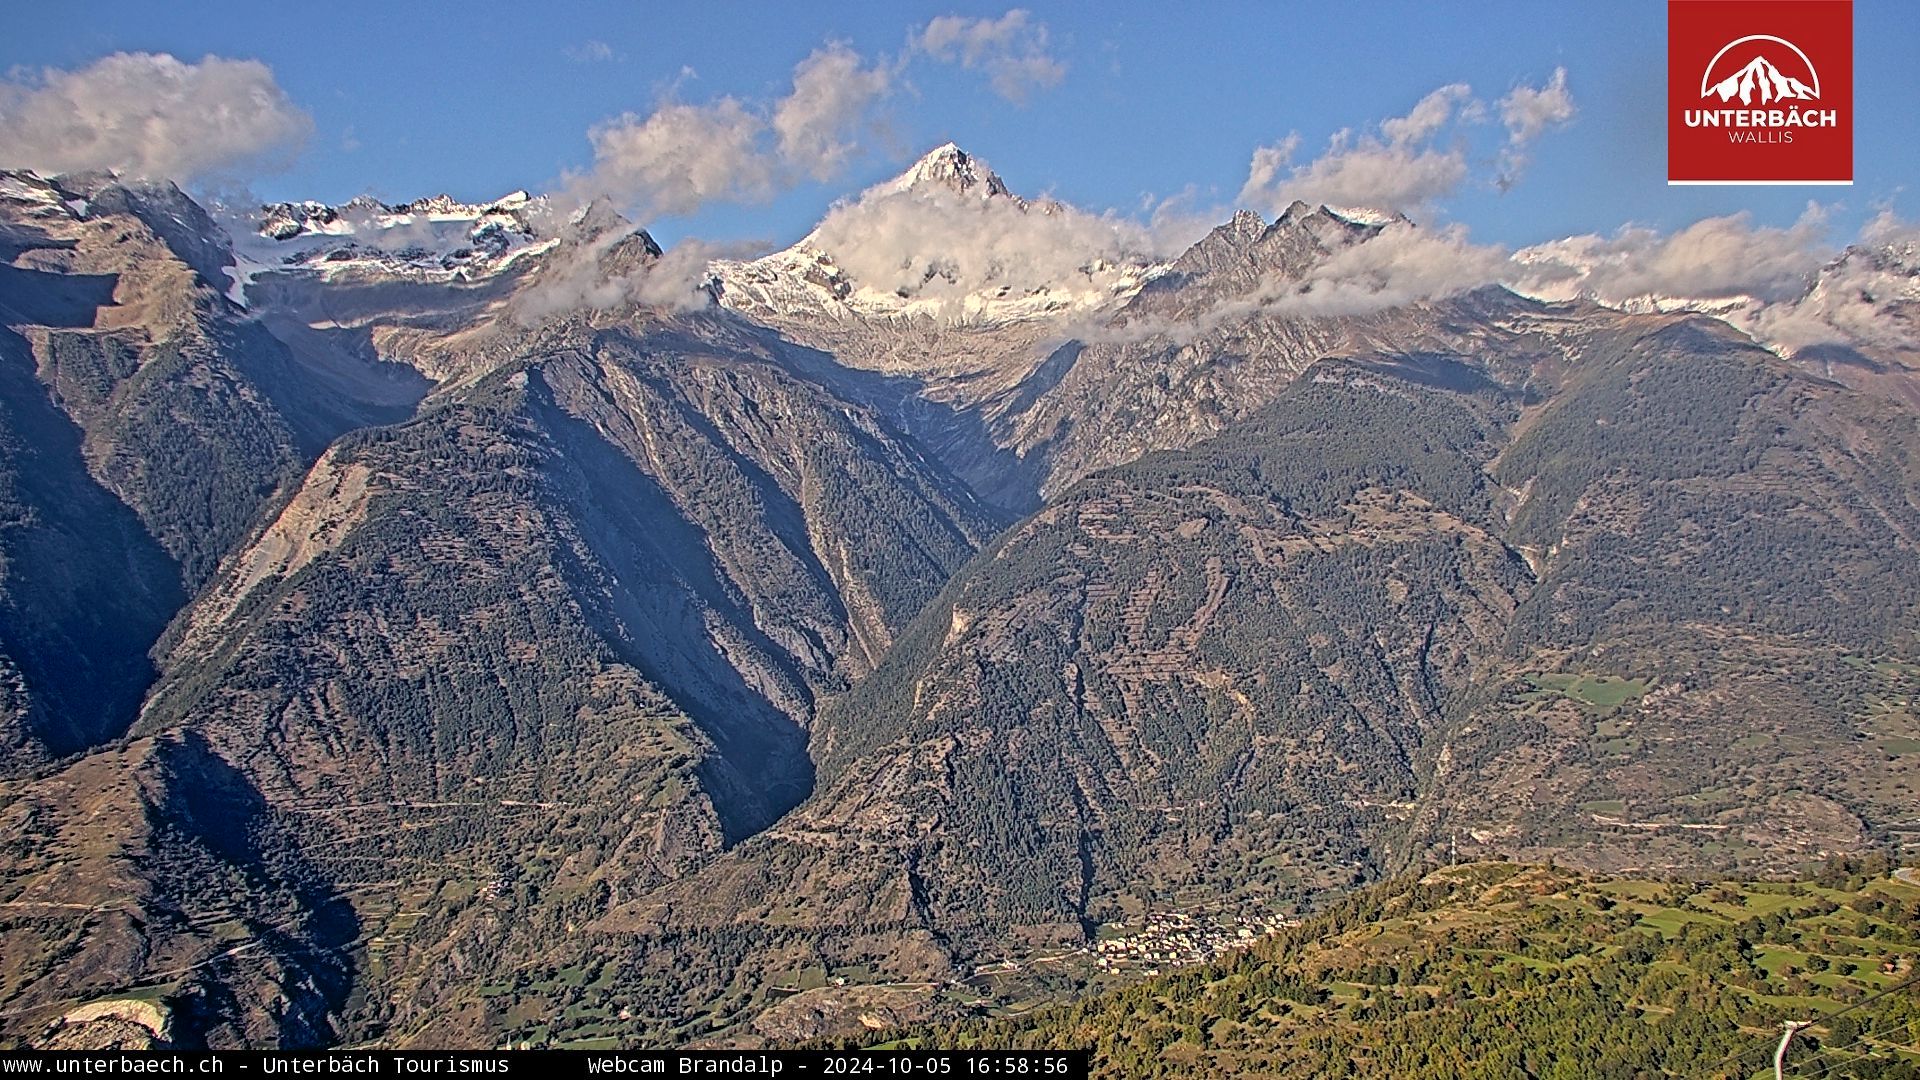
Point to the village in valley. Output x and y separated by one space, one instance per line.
1172 939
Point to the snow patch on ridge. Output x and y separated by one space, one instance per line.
436 238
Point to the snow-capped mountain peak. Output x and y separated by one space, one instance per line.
950 168
433 236
287 220
1367 215
947 240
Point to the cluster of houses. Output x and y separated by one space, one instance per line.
1175 939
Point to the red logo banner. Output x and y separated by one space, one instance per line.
1760 91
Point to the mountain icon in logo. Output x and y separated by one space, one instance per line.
1760 80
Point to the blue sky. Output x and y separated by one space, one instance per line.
411 99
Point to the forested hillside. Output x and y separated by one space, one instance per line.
1502 970
1301 631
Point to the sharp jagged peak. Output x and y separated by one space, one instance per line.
1300 212
956 206
1297 211
951 168
1243 228
1302 235
1329 227
1231 239
1247 228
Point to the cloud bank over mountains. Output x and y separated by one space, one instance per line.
220 119
1712 259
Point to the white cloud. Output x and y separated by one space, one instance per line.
1529 112
1013 50
680 158
1787 287
678 280
1265 172
151 115
1402 264
1868 297
1412 160
833 96
611 270
1433 112
1714 258
1177 222
1399 169
576 279
1887 230
683 156
1355 171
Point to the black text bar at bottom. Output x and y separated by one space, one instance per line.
789 1064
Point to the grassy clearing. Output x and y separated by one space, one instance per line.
1603 693
1669 920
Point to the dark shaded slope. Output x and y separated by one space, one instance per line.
84 590
550 645
1683 475
1208 674
1184 653
149 424
151 881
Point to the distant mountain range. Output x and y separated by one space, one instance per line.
442 625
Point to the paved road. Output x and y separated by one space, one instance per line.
1908 874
